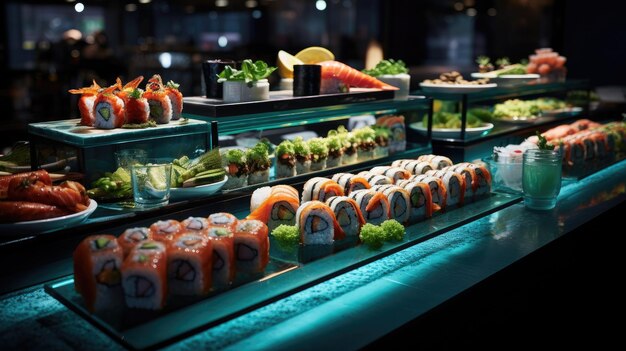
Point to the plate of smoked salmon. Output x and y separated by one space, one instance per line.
48 224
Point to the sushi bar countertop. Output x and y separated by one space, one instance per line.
358 308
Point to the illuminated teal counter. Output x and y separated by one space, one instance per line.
356 308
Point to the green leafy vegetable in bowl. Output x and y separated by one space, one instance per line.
516 109
452 120
387 67
250 72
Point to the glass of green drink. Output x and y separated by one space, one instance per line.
541 178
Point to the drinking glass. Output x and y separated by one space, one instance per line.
541 178
151 183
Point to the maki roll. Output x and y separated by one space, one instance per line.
397 131
319 153
395 173
347 213
420 199
351 150
274 205
335 151
252 246
126 90
236 166
437 189
97 263
189 265
144 276
454 183
285 160
85 103
108 109
317 224
375 179
414 166
350 182
198 225
399 201
165 230
303 155
223 256
469 175
374 206
320 188
483 179
176 97
223 219
133 236
366 143
159 101
382 141
259 164
438 161
137 109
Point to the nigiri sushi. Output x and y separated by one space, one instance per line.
350 77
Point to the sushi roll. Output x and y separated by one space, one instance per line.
395 173
285 160
437 189
165 230
399 201
132 236
190 265
127 89
222 219
347 213
136 108
319 153
350 182
320 188
176 97
317 224
374 206
455 186
236 167
108 109
366 144
97 263
335 151
375 179
469 176
438 161
259 164
414 166
144 276
382 141
159 101
85 103
274 205
198 225
351 150
483 178
420 199
302 153
397 134
252 246
223 241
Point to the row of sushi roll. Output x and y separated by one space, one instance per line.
119 105
407 191
144 266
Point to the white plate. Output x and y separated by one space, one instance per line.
44 225
447 133
479 75
178 194
569 111
455 88
519 120
515 79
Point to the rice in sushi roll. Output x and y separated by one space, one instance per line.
317 224
454 183
85 103
399 201
252 246
108 109
350 182
347 213
274 205
438 161
199 225
375 179
190 265
320 188
144 276
132 236
483 178
222 219
165 230
397 134
97 263
159 101
285 160
137 109
468 173
374 206
395 173
176 97
223 256
366 144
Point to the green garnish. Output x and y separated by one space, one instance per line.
543 142
150 124
503 62
221 232
235 156
319 149
387 67
372 236
102 243
365 134
301 147
483 60
258 157
287 234
393 230
382 132
334 143
136 93
148 246
142 258
285 148
172 84
250 72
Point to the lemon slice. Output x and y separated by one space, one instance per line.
285 64
157 178
315 54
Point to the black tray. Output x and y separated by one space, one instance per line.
280 100
287 273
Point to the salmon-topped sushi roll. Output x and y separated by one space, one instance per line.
347 213
395 173
420 199
144 276
133 236
399 202
374 206
176 97
165 230
223 241
483 178
190 264
468 173
223 219
375 179
320 188
437 189
85 103
317 224
108 109
199 225
275 206
252 246
438 161
159 101
350 182
454 183
97 263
